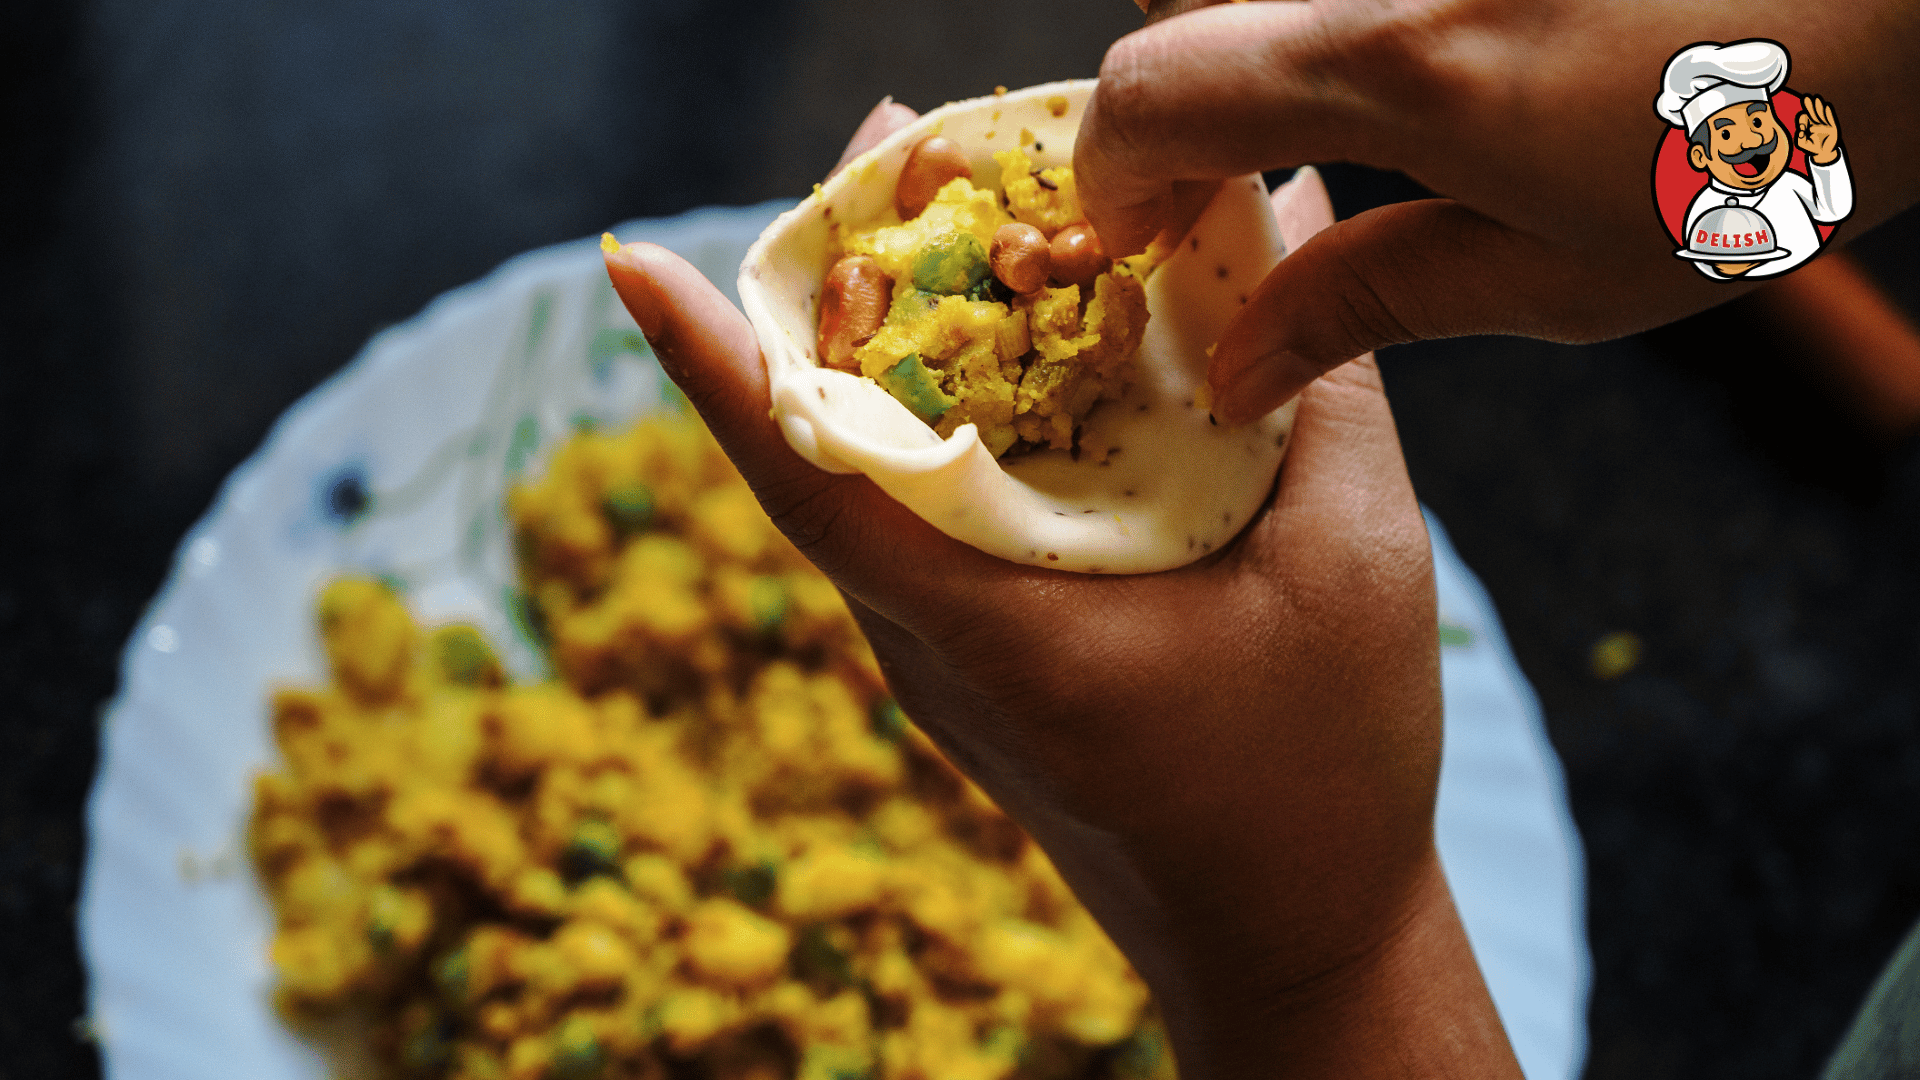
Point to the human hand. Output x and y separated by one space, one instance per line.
1817 132
1234 763
1533 119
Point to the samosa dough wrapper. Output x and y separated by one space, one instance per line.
1156 484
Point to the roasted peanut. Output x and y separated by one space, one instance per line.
1078 256
853 304
931 165
1020 257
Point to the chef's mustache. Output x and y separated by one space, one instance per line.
1765 149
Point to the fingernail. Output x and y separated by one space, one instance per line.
873 116
627 269
1257 390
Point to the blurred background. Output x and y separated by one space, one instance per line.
1707 558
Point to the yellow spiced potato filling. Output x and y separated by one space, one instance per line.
980 307
710 847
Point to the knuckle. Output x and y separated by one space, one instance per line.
1413 65
1123 99
1365 314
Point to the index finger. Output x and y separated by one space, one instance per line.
886 118
1216 92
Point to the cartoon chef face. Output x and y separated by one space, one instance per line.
1743 146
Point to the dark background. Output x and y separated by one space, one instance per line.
208 206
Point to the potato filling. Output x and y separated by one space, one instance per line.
712 847
1001 309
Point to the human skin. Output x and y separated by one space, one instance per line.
1534 121
1854 338
1233 764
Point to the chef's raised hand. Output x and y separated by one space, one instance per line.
1234 763
1533 119
1817 132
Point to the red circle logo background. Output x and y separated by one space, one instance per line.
1676 181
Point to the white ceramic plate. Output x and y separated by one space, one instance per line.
421 434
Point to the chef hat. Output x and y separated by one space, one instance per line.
1703 79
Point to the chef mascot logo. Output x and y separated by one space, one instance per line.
1751 179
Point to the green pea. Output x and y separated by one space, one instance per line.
529 618
450 976
651 1023
952 264
751 885
629 508
475 1062
914 386
767 601
829 1062
886 720
1139 1055
577 1053
384 908
464 656
1005 1042
593 850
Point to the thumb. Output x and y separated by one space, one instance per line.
707 347
1400 273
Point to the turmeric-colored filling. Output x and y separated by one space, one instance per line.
711 846
1027 369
